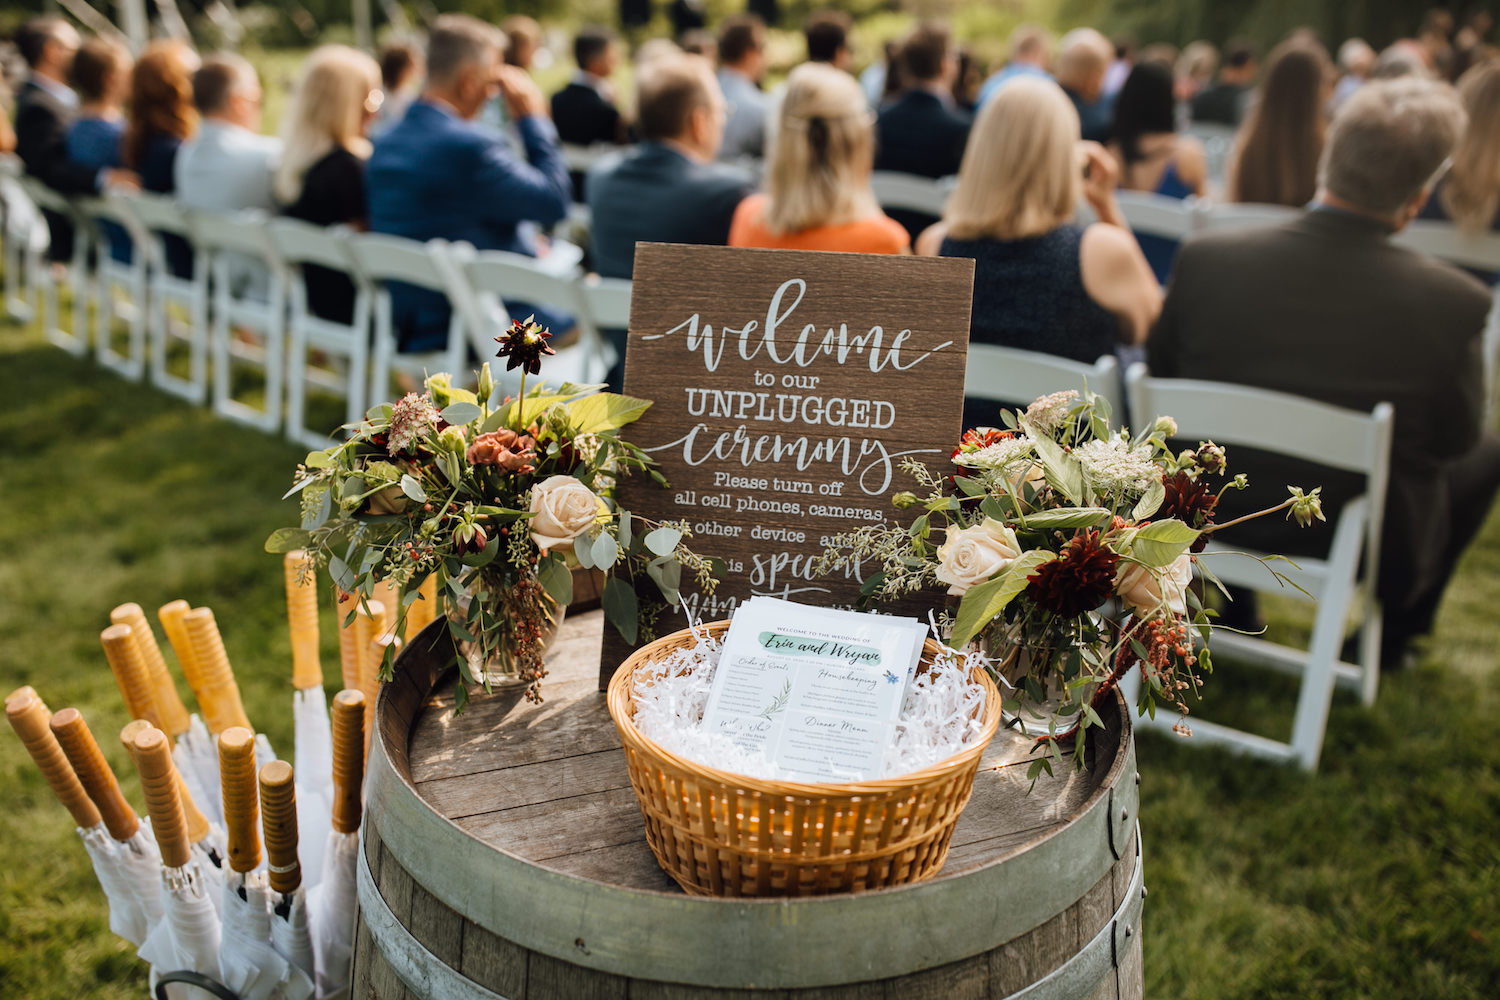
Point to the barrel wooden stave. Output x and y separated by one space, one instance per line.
572 821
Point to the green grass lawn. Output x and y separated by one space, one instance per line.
1377 877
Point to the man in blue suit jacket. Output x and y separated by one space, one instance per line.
438 175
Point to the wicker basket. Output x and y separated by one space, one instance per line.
725 834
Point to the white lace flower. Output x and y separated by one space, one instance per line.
411 418
1050 412
998 456
1113 467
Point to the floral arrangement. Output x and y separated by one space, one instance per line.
1042 529
501 499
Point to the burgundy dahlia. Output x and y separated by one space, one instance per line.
1191 502
1081 578
525 344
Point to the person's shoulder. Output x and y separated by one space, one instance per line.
1443 284
719 176
887 235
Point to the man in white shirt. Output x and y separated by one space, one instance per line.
742 64
227 166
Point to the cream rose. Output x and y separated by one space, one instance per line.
1146 590
564 509
974 555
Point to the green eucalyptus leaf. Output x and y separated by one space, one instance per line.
583 551
605 551
620 607
343 576
318 516
460 413
663 541
624 529
412 488
287 539
318 460
556 579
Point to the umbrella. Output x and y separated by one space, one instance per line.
124 853
314 741
196 755
187 939
333 901
205 839
289 929
248 964
424 609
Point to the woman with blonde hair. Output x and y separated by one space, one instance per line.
321 175
818 193
1469 195
1275 157
161 117
1042 283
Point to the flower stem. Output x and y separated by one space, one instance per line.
1249 517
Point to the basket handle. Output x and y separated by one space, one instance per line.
190 978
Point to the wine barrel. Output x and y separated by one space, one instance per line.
504 856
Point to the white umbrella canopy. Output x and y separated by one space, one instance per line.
187 938
125 857
248 963
332 903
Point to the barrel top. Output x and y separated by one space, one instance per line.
548 783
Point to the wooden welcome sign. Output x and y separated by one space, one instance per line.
788 387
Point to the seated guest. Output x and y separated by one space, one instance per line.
45 108
1275 157
742 66
584 111
827 35
159 120
437 174
668 189
1469 194
1327 307
1083 57
1356 63
1151 155
1030 55
523 39
922 132
1042 283
101 77
401 73
1224 102
700 42
1193 72
321 175
818 193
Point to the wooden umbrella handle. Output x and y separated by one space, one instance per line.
159 782
131 676
302 619
174 714
348 723
93 771
241 803
29 717
423 610
220 697
350 656
197 823
278 817
171 616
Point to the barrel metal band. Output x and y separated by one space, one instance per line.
433 979
423 972
636 933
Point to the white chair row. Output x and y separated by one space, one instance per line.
245 303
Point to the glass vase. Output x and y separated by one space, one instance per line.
502 670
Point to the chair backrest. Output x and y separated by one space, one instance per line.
160 213
1158 215
581 158
1007 375
1444 241
512 277
910 193
1218 142
11 165
45 197
244 232
379 257
607 301
300 242
1220 217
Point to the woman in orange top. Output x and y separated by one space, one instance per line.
818 193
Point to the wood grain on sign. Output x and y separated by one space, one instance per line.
787 388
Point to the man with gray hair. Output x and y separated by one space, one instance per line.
1325 306
438 175
1083 57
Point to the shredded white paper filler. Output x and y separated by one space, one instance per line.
940 714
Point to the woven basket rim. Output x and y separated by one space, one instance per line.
618 699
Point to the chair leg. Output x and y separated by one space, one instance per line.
1369 647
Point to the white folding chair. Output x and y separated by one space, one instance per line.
25 235
1220 217
1480 251
606 300
75 340
1158 215
1342 583
483 285
378 259
910 193
160 217
1218 143
580 159
1006 375
300 244
121 288
249 294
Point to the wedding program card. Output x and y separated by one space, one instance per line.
818 690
